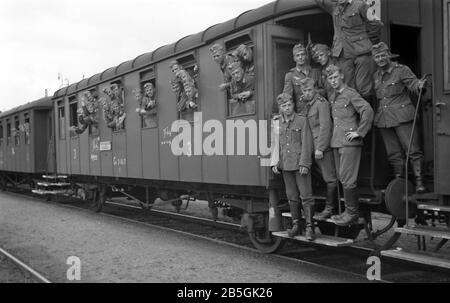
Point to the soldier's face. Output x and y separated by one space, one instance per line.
247 54
381 59
218 57
300 57
287 108
322 58
237 74
175 68
336 80
149 91
308 93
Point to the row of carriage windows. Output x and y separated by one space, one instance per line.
88 107
15 131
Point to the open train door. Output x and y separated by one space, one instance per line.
278 44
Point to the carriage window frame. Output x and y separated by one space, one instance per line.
1 133
230 46
61 120
122 92
27 119
8 132
188 61
17 130
446 42
149 76
73 115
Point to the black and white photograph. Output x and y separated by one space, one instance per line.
222 149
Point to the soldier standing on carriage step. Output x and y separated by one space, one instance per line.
317 111
295 75
395 112
352 119
321 54
295 159
352 41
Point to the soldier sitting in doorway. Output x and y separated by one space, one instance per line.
395 113
294 76
317 110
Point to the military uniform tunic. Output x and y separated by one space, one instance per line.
395 113
292 85
351 113
319 118
295 151
351 42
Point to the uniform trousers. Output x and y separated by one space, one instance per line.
347 160
358 73
298 186
396 141
326 167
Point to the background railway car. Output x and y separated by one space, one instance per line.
26 141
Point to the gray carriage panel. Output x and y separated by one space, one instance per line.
133 127
75 155
119 147
94 155
167 114
214 106
150 153
84 153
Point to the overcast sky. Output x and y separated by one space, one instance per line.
83 37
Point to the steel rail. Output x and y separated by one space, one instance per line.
24 266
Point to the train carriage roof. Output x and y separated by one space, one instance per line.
43 103
244 20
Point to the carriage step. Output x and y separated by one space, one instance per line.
425 231
320 239
45 184
421 258
440 208
51 192
52 177
361 221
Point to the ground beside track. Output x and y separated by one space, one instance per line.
111 250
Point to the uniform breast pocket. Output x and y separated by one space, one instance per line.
394 89
352 20
296 135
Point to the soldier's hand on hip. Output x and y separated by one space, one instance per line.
318 154
275 170
303 170
351 135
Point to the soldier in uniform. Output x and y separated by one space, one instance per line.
321 54
395 112
295 157
242 84
218 54
244 54
294 76
317 111
352 119
352 43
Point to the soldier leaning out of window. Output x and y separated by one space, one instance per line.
295 158
395 113
219 56
242 84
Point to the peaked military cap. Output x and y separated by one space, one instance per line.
216 48
298 48
307 82
379 48
283 98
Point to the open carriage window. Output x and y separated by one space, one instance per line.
16 130
1 133
26 128
73 115
240 75
113 106
61 120
146 98
8 132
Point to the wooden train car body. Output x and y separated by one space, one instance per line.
26 141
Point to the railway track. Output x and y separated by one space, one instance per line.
344 260
36 276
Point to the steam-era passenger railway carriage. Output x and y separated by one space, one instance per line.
113 131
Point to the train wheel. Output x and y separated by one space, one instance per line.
329 229
395 199
263 240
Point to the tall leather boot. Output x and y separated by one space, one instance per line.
309 231
330 203
399 171
295 213
351 213
417 169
